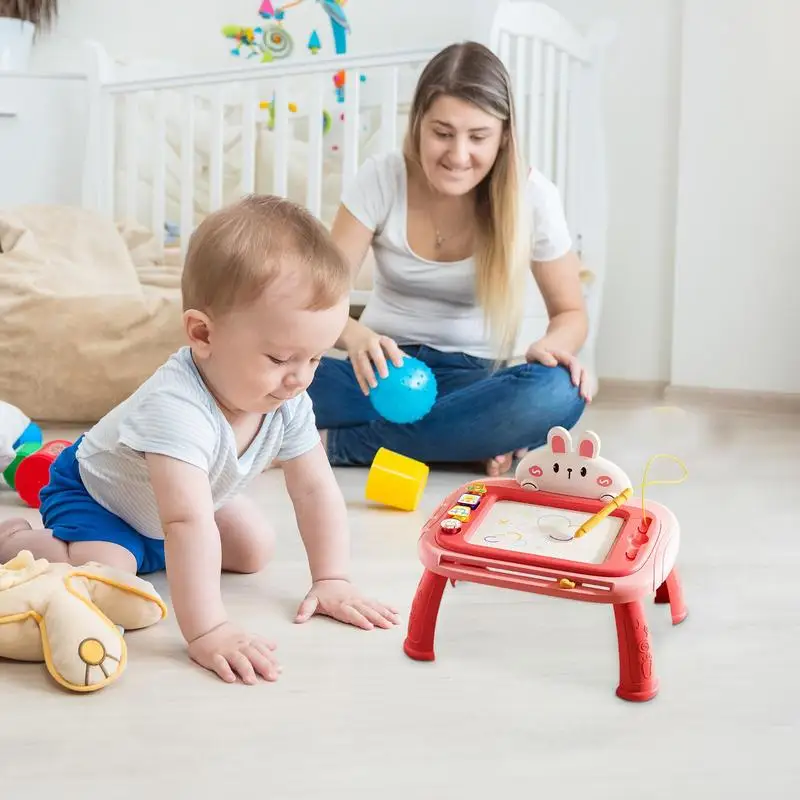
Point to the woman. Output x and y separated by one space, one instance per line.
449 222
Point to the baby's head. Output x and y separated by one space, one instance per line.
265 294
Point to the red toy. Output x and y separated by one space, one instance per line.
596 548
33 472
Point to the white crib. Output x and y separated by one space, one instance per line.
164 147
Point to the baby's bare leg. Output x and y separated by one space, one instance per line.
248 541
17 535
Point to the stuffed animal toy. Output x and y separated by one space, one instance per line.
68 616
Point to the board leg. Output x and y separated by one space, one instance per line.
671 591
422 619
637 681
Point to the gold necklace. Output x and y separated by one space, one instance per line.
440 240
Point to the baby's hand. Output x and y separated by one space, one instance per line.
341 600
229 652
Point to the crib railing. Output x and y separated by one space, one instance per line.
164 151
551 68
556 74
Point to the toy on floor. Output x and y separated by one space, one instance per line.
562 527
407 393
395 480
24 462
29 472
67 616
16 430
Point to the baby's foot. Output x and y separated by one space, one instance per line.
8 530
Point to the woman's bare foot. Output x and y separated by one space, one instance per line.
499 465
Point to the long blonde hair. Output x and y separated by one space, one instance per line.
471 72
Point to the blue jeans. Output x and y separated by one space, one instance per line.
478 414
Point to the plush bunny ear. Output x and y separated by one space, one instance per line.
590 445
559 440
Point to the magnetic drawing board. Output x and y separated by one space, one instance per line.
544 531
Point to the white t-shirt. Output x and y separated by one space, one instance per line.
172 413
416 301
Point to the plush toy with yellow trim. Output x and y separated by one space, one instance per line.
67 617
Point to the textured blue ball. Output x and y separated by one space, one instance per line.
407 393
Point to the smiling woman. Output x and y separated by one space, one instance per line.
455 225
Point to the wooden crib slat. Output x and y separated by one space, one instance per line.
315 144
535 107
519 77
504 47
131 160
563 121
249 108
216 145
351 123
549 104
573 148
159 191
108 116
280 182
389 102
187 169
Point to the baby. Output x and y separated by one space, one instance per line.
157 483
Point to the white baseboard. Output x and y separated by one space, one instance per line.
624 392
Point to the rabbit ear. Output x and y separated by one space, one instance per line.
559 440
590 445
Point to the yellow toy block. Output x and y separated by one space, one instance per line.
396 481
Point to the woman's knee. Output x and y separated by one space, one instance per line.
548 397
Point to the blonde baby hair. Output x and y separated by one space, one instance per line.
237 251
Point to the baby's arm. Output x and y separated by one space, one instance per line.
322 520
321 514
194 564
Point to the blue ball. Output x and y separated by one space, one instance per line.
407 393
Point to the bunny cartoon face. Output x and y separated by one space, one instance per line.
554 467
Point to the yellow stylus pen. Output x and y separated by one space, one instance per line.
603 513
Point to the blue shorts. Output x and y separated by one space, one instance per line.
73 515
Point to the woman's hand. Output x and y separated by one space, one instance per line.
367 350
551 356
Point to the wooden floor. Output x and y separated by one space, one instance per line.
520 701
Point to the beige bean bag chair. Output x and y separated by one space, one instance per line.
88 310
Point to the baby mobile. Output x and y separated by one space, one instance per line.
271 40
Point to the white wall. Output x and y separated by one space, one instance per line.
641 118
188 31
738 238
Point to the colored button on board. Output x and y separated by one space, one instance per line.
477 488
470 500
450 525
460 512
